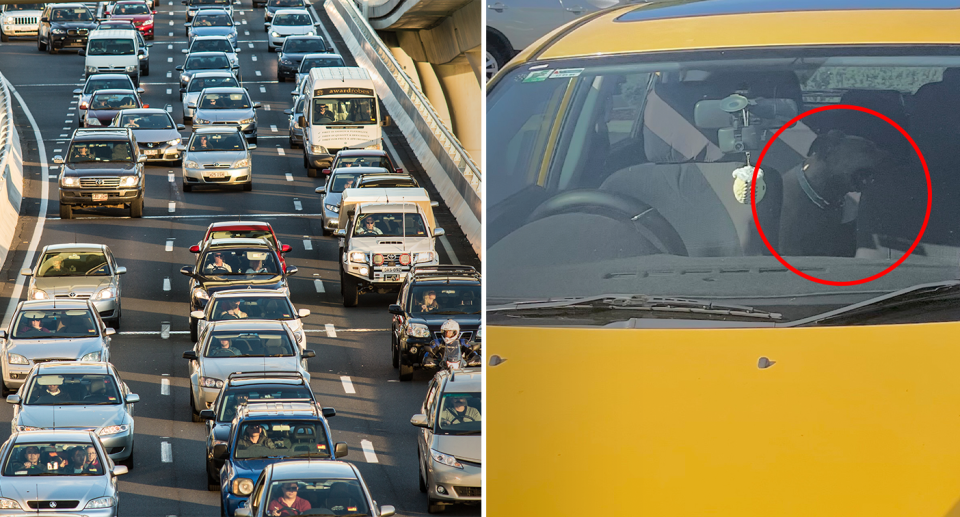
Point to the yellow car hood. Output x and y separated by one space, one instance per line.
846 421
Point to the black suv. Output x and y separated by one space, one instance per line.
417 315
65 26
233 264
249 387
103 167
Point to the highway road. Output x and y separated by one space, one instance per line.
352 370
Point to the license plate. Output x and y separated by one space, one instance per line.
152 152
392 270
99 197
217 174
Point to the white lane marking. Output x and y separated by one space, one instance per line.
165 332
169 91
331 332
368 452
247 33
170 177
169 75
66 128
318 285
171 23
169 245
308 246
347 384
172 207
164 386
254 58
166 452
281 152
449 249
266 107
257 73
170 46
57 150
169 108
297 205
250 44
263 89
166 283
169 60
273 128
41 217
73 102
170 33
61 136
289 176
243 21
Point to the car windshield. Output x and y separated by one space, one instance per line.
304 45
267 343
129 9
147 121
206 62
292 19
460 413
236 396
244 234
281 438
53 459
212 20
390 225
71 14
24 7
240 262
54 323
216 142
200 83
401 182
376 160
285 3
353 111
73 263
108 84
212 45
110 47
72 390
117 25
84 152
646 165
114 101
210 2
224 101
445 299
252 307
343 180
319 496
319 62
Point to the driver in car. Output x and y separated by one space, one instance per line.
288 503
33 325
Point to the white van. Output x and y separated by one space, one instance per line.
113 52
341 112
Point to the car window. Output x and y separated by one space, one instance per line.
390 225
304 45
244 234
212 45
114 101
23 7
357 110
108 84
236 396
212 20
73 263
285 438
388 183
72 389
342 181
252 307
200 83
53 459
147 121
207 62
292 19
460 413
216 142
267 343
285 3
319 62
71 14
128 9
110 47
224 101
84 152
365 161
445 299
54 324
320 496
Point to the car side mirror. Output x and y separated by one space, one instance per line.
321 189
44 20
242 512
141 91
301 121
82 52
303 313
287 111
3 334
387 121
188 25
207 414
220 451
198 315
110 331
121 270
237 50
183 90
438 232
190 355
340 450
146 106
387 510
187 270
419 420
178 68
119 470
309 354
181 127
285 248
26 272
434 204
329 412
325 172
15 399
58 159
78 91
142 158
153 12
257 105
291 270
185 51
251 146
399 171
193 249
183 148
132 398
342 232
148 45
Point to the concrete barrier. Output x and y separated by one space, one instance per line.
449 167
11 172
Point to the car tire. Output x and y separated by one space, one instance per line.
187 187
311 172
433 507
213 483
351 291
406 371
248 186
145 72
129 461
496 57
270 48
423 483
136 208
4 390
50 49
193 331
66 211
41 46
3 37
395 351
194 414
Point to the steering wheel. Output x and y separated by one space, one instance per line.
289 512
645 219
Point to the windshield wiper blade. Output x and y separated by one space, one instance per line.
640 302
906 298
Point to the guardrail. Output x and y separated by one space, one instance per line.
449 166
11 171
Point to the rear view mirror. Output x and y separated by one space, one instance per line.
257 105
121 270
327 412
340 450
119 470
303 313
765 113
287 111
132 398
308 354
320 190
78 91
301 121
15 399
190 355
291 270
181 127
439 232
141 91
395 309
26 272
207 414
251 146
285 248
419 420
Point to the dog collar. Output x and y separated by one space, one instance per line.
821 203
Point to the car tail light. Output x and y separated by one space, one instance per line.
405 259
378 260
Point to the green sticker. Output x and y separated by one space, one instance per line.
537 76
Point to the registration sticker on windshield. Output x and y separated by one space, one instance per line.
561 73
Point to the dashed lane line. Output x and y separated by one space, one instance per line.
307 245
318 285
368 452
331 332
281 152
193 216
273 128
347 384
172 207
169 245
289 176
297 205
164 386
166 452
263 89
166 283
253 58
170 177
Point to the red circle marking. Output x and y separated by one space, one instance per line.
753 195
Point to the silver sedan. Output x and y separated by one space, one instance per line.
227 106
217 156
58 471
48 330
253 304
198 82
78 396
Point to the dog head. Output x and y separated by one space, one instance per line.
838 163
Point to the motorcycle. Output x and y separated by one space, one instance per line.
459 355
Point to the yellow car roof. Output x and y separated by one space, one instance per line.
715 24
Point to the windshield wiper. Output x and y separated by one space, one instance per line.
903 299
638 302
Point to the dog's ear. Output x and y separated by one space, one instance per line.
826 142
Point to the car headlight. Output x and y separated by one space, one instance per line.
106 294
445 459
333 208
40 295
141 56
311 33
90 69
175 141
100 502
132 68
57 30
286 62
9 504
210 382
16 359
202 121
418 330
250 120
8 20
242 163
185 77
92 121
358 256
275 34
67 181
129 181
21 428
191 164
242 486
318 148
200 294
92 356
426 256
113 429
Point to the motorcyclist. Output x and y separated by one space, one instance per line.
449 333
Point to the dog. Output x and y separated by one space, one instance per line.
813 194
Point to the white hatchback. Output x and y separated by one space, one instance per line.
290 22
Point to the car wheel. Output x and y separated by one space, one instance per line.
248 186
3 37
194 414
395 351
4 390
193 330
311 172
423 483
66 212
50 49
406 370
213 482
145 72
136 208
351 291
129 461
187 187
223 511
433 507
41 46
495 58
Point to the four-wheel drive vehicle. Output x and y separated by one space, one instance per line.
429 296
269 432
64 26
383 233
113 52
82 272
233 264
331 192
103 167
19 20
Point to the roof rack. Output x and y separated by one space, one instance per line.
424 271
279 406
263 375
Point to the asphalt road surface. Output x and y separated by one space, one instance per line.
352 371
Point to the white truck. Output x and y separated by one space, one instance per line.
20 20
383 233
341 112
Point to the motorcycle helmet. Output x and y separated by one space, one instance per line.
450 325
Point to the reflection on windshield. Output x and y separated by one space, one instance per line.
225 101
113 101
235 397
281 439
319 62
85 152
304 45
292 19
53 459
54 324
250 344
74 14
73 263
150 121
252 307
72 389
207 62
445 299
108 84
217 142
319 497
214 45
390 225
213 82
24 7
240 262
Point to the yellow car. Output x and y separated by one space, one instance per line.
673 330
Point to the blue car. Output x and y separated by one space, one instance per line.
212 22
264 433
